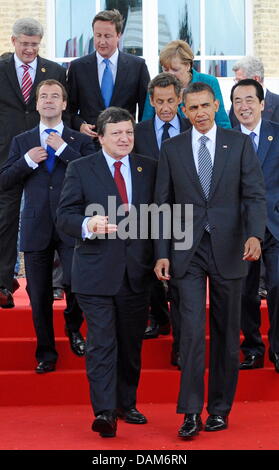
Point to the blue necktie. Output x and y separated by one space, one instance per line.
50 161
107 84
252 136
205 169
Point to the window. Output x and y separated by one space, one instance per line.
218 31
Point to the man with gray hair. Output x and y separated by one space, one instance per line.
252 67
19 76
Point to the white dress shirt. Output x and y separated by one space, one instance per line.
43 137
257 130
159 128
112 63
19 69
210 144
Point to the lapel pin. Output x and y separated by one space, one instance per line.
43 70
270 138
139 168
72 137
225 146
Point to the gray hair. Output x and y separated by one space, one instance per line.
28 27
251 66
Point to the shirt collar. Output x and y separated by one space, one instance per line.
110 160
211 134
174 122
113 59
59 128
248 131
19 63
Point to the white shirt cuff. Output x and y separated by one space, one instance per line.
84 230
30 162
60 150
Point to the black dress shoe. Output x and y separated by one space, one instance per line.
191 426
16 285
77 342
105 424
6 298
216 423
175 359
44 367
252 361
58 294
132 416
154 330
274 357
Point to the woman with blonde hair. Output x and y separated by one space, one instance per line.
177 58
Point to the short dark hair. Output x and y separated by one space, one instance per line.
51 82
112 115
113 16
164 80
250 82
197 87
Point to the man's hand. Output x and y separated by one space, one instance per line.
88 130
162 269
252 249
54 140
99 225
37 154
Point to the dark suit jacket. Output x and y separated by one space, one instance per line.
237 182
99 265
146 140
269 113
268 153
84 90
16 116
42 189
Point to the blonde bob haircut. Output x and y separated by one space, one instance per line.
179 49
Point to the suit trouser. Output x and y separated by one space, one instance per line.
38 268
9 222
158 302
251 313
116 326
224 318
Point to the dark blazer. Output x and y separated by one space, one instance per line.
99 264
41 189
268 153
146 140
237 182
16 116
269 113
85 97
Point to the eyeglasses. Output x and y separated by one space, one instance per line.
25 45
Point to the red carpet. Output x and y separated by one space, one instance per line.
254 422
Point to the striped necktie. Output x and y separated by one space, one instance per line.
205 169
252 136
26 84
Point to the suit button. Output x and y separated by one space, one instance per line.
51 187
26 112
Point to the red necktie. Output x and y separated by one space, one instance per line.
26 83
120 183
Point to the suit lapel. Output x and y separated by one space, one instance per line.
12 77
189 162
222 151
100 168
137 175
120 76
266 138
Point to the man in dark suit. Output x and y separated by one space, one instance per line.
19 76
38 160
248 101
252 67
111 271
165 96
215 172
107 77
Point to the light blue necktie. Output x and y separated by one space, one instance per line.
252 136
107 84
50 161
205 169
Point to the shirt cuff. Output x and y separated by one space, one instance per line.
61 149
30 162
84 230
